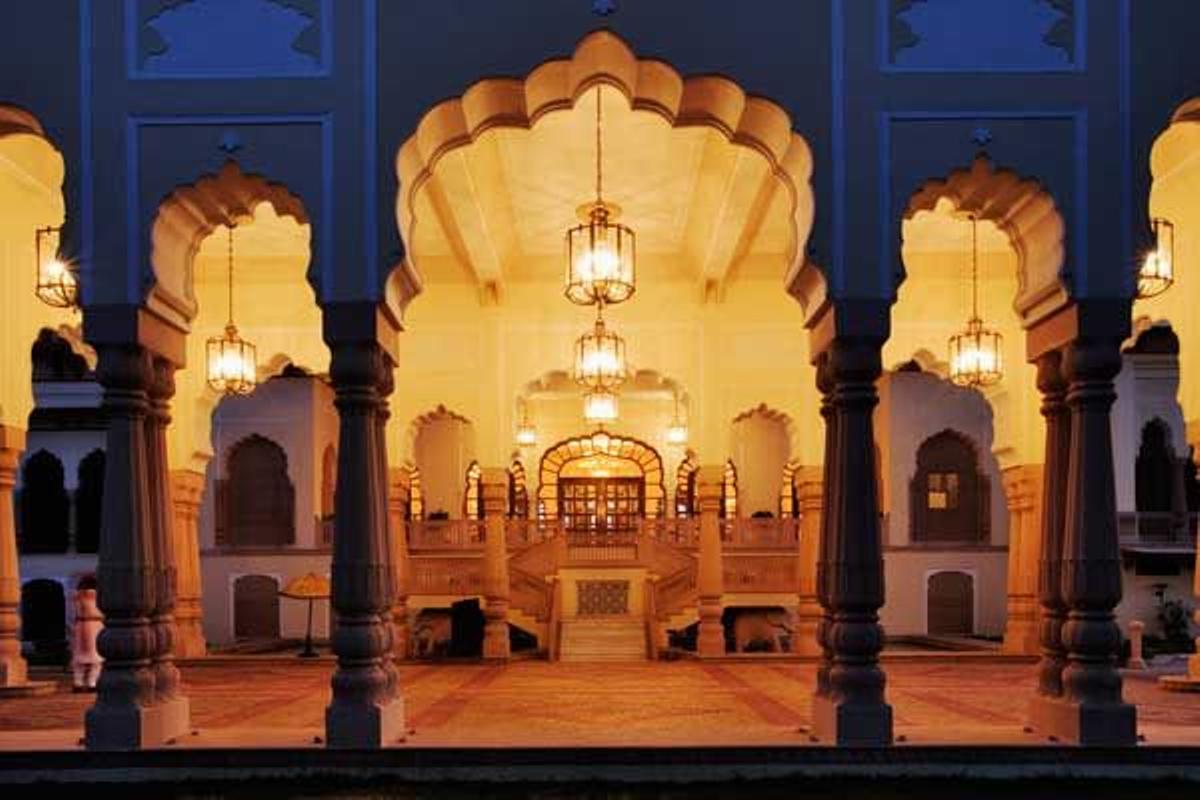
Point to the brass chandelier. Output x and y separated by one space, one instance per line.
57 284
600 357
975 352
601 253
1156 273
232 362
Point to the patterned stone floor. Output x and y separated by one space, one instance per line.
272 703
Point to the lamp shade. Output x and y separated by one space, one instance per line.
1156 272
600 406
232 366
307 587
601 258
600 358
57 284
975 356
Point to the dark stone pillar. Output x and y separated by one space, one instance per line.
1053 386
366 710
124 715
829 488
850 708
172 704
1091 711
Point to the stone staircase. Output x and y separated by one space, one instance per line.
602 639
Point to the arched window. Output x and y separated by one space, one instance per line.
1155 469
328 493
255 607
950 498
45 507
89 498
951 604
685 488
416 500
259 501
729 491
518 492
473 499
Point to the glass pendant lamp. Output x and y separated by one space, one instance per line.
232 365
975 352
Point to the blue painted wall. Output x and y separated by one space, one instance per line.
144 95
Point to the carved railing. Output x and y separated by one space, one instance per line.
760 534
446 534
673 594
522 533
1157 529
762 572
529 593
681 533
444 574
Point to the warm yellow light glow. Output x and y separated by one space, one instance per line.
526 435
975 356
599 407
232 363
677 433
57 285
1157 270
600 358
600 259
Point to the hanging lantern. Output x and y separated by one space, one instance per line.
1156 273
232 363
57 284
600 358
526 433
975 353
677 431
600 406
601 253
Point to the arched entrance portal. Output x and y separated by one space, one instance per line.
601 485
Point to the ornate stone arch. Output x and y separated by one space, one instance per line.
189 214
939 512
414 428
1024 211
650 85
640 453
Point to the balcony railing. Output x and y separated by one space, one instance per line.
760 534
445 534
1158 530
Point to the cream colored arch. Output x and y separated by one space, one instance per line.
602 57
31 178
1023 210
785 419
188 215
414 429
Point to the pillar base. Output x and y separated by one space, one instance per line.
1070 722
136 727
1021 638
365 727
189 640
804 638
14 671
847 724
28 689
496 645
710 640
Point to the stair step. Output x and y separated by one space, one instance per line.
620 639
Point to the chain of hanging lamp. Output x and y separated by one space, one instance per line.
975 353
232 363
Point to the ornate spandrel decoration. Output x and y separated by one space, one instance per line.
981 35
230 38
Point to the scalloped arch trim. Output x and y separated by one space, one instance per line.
189 214
1027 214
650 85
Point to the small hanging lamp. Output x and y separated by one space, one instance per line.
57 284
600 406
601 253
526 432
232 361
600 357
975 353
1156 273
677 431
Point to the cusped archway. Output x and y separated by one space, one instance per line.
600 452
466 146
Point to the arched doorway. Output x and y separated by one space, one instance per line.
255 607
260 502
45 506
1155 468
951 604
950 496
88 499
44 619
601 485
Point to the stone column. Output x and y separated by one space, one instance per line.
710 577
366 710
810 495
173 707
13 675
851 709
124 715
828 491
1053 385
1091 711
1022 487
399 497
493 486
187 493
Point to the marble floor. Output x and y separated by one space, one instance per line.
273 702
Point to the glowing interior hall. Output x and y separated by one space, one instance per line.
799 334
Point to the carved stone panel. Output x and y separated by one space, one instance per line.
603 598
